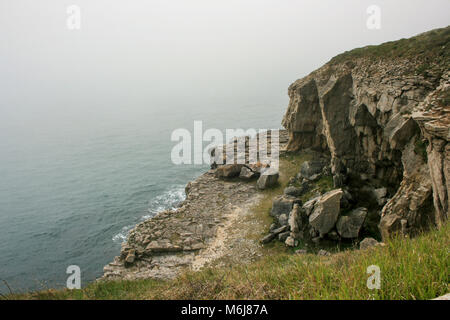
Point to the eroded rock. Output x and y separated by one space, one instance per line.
326 211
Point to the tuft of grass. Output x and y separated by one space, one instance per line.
410 269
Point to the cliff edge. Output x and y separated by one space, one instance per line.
381 113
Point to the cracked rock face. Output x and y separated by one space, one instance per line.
326 212
383 123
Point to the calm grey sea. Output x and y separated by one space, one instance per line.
72 187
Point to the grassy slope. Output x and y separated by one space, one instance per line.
410 269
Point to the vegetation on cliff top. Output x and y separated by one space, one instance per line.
410 269
429 49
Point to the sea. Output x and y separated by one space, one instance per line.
73 185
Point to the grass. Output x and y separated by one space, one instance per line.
410 269
431 50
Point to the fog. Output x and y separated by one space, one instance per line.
178 54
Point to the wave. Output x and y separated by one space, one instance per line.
168 200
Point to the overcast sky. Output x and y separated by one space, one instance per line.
144 53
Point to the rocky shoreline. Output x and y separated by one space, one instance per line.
208 227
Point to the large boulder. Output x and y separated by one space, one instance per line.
349 226
326 211
268 179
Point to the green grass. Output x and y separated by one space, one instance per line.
410 269
429 50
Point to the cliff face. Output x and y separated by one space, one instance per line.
382 114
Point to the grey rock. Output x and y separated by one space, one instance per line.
315 177
282 204
291 242
283 219
283 236
399 130
293 219
367 243
268 238
130 257
349 226
293 191
247 174
162 246
273 226
280 229
309 205
326 211
268 179
301 251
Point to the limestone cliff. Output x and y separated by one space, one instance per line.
382 115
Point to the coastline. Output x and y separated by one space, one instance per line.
209 227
